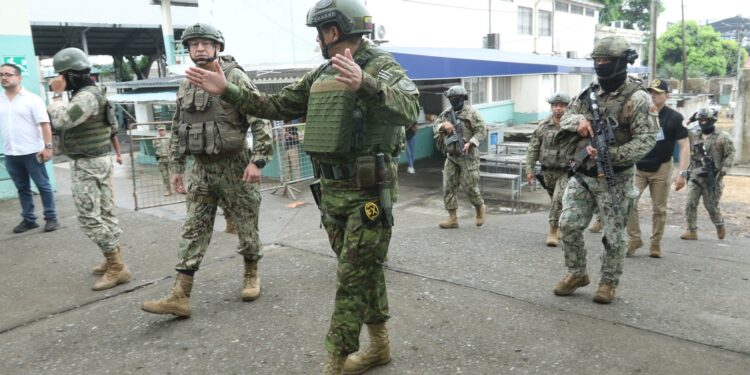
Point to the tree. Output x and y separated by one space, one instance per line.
707 54
633 12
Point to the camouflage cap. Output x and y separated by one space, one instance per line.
351 16
70 59
457 90
559 97
204 31
161 127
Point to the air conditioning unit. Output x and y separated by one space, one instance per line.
571 54
618 24
493 41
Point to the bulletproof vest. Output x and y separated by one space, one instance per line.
467 131
617 109
555 150
338 123
708 144
92 137
205 128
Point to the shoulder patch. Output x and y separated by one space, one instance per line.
75 112
406 85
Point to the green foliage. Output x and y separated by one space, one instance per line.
633 12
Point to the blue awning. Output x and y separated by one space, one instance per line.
452 63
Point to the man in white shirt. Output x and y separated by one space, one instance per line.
27 136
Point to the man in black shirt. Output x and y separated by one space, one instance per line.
655 169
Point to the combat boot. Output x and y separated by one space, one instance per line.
333 365
570 283
655 251
376 353
479 220
231 228
721 232
116 273
634 245
605 294
251 281
552 236
596 227
100 269
690 234
177 302
452 221
167 193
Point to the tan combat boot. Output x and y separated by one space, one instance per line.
177 302
634 245
251 281
167 193
605 294
596 227
452 221
655 251
100 269
552 237
690 234
570 283
117 272
376 353
721 232
333 365
479 220
231 228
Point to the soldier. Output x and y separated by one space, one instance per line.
554 157
161 152
213 132
86 128
712 154
625 104
655 170
356 105
461 165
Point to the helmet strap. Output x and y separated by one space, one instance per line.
325 49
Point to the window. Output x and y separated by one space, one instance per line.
477 88
576 9
545 23
500 89
590 12
524 21
561 6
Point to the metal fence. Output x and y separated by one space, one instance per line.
150 181
290 163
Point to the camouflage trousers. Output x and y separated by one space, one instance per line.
360 245
579 203
696 190
211 184
91 183
165 176
556 181
458 171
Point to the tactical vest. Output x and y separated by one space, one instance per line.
205 128
555 151
618 108
451 148
338 124
708 142
92 137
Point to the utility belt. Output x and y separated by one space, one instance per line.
363 170
337 171
205 159
593 173
546 168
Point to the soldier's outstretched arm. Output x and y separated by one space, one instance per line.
644 125
288 104
261 129
82 106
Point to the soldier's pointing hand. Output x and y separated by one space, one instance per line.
213 82
584 128
349 71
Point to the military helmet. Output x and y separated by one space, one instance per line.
559 97
70 58
351 16
457 90
708 114
615 47
204 31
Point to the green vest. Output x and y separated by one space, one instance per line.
555 150
206 129
92 137
338 124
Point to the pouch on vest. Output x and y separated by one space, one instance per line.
196 141
366 172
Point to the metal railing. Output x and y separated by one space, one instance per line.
291 163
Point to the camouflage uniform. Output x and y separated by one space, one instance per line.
720 147
386 101
218 180
161 152
91 173
459 169
635 135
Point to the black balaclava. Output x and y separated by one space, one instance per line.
457 102
612 74
76 80
707 126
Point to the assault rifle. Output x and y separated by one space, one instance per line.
458 133
603 138
709 170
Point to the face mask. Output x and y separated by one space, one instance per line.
605 70
707 127
457 102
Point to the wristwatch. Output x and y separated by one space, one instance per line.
260 163
48 146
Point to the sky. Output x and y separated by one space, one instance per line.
702 10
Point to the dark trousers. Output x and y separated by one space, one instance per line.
22 169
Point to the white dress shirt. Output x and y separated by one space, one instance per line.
20 121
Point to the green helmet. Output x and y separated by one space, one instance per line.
559 97
706 114
614 47
70 59
204 31
457 90
351 16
